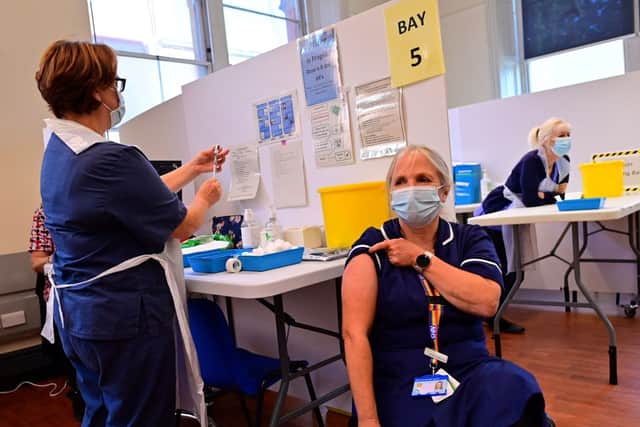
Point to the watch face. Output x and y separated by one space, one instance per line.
423 261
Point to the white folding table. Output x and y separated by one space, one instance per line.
614 209
275 283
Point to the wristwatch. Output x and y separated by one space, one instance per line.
423 261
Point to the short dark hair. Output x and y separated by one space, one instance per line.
71 71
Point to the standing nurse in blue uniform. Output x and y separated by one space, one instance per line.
415 292
105 204
539 176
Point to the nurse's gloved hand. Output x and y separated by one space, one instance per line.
210 191
401 252
203 161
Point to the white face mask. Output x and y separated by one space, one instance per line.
118 113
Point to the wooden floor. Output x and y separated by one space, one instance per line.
566 352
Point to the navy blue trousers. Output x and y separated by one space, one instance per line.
125 383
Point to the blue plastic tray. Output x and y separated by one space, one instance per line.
186 258
271 261
212 262
581 204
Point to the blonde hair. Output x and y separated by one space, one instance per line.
436 159
538 134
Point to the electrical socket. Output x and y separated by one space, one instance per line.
9 320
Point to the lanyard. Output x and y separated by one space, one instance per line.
433 318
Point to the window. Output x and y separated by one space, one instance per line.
576 66
161 45
558 43
551 26
257 26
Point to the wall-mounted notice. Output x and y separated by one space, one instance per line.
414 43
276 118
245 172
380 119
287 169
320 66
331 133
631 169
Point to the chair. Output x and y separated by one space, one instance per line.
228 368
228 225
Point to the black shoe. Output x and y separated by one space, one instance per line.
77 403
507 326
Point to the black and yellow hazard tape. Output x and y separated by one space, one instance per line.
610 154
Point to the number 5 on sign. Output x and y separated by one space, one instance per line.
413 41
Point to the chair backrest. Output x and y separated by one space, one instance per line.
228 225
214 342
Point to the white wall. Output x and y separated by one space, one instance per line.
161 135
27 27
467 39
326 12
604 118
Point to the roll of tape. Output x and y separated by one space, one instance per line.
233 265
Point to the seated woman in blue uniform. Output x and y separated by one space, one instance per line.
104 203
415 292
539 176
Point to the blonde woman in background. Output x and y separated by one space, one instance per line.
539 176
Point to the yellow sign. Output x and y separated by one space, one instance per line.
413 41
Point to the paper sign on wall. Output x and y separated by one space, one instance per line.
414 44
245 172
287 169
331 133
631 170
320 66
276 118
380 119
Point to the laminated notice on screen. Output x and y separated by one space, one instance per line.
379 115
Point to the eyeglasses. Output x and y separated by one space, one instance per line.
120 84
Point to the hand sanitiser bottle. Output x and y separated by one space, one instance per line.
485 184
250 230
271 231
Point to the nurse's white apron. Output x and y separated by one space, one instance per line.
189 384
528 240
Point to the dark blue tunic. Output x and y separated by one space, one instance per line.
493 392
524 180
103 206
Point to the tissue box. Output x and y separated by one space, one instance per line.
307 236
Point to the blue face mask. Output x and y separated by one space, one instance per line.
118 113
562 146
417 205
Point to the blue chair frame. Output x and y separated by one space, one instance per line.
228 368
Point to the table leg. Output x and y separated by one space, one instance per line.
283 352
583 247
613 370
518 269
230 318
339 308
634 242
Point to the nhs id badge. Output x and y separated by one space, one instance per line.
430 385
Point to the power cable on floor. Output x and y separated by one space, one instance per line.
53 392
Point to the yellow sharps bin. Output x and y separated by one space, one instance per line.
602 179
350 209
